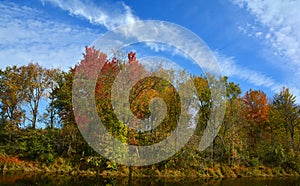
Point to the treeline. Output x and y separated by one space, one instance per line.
256 131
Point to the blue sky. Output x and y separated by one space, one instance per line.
257 43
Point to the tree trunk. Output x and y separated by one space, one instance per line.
292 138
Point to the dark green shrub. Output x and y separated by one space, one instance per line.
254 162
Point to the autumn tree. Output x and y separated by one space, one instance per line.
212 97
289 112
255 113
12 96
63 97
62 103
2 116
36 81
232 123
204 96
254 131
274 125
51 115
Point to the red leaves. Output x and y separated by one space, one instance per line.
92 60
132 58
82 119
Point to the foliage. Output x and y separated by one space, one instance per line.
255 135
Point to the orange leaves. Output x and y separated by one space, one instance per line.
255 112
256 108
12 160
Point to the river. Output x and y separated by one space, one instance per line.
66 180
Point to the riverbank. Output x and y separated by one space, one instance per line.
69 180
9 164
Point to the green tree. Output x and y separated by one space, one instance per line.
51 116
63 104
289 112
232 122
62 94
37 81
12 96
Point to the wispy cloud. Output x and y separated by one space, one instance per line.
230 68
117 15
277 23
27 36
120 14
110 17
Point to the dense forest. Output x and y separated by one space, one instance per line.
259 136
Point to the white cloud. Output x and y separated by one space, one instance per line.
227 65
258 34
163 47
230 68
26 36
106 16
153 63
56 44
278 25
122 14
165 34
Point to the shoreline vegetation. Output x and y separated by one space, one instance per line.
259 136
13 165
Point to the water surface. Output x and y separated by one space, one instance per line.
66 180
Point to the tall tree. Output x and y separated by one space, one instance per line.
62 94
232 123
255 114
63 100
36 82
12 96
51 114
285 103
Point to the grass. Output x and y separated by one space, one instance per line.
63 166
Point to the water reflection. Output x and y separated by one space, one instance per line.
40 179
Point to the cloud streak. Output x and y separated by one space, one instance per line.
277 23
230 68
54 44
109 17
37 39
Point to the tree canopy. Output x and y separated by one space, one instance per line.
255 131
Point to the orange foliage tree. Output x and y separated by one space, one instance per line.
255 112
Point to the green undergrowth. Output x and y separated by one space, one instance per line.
60 165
